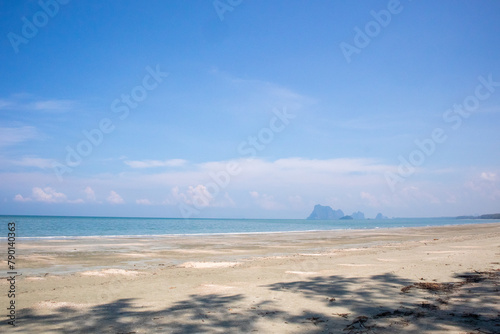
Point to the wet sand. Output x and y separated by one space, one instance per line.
408 280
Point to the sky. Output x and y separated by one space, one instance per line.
249 109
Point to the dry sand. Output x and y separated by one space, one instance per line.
412 280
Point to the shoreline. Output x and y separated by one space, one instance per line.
495 221
298 282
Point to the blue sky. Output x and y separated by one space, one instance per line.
251 109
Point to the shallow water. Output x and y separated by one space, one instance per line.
70 227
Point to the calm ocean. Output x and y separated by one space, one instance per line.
61 227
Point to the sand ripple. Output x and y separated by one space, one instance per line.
108 272
208 264
302 272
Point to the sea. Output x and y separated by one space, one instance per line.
57 227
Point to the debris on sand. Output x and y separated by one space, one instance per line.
383 314
315 320
434 287
358 323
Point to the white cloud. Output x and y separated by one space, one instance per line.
12 136
20 198
52 105
254 194
197 196
488 176
48 195
266 201
314 179
90 193
114 198
155 163
174 197
484 186
33 162
143 201
29 103
288 187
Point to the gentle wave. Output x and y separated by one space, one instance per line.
46 227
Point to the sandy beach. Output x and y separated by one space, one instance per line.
408 280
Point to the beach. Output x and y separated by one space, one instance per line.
391 280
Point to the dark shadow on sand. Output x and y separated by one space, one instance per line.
379 304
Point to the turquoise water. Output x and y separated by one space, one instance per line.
60 227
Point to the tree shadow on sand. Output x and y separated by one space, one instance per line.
390 304
198 314
379 304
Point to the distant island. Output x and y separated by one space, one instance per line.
321 212
488 216
325 212
381 216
